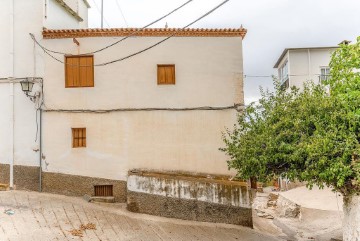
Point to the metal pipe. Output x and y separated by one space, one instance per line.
40 149
11 90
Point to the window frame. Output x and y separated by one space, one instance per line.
158 75
284 72
326 76
66 57
82 138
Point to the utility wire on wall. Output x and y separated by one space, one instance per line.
141 51
237 107
128 36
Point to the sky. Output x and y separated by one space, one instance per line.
272 25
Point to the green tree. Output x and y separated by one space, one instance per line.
311 135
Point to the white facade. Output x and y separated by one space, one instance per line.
209 73
20 59
298 65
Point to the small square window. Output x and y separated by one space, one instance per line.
166 74
78 137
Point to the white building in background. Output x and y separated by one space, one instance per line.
297 65
19 144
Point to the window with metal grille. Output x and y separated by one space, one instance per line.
78 137
166 74
79 71
103 190
324 73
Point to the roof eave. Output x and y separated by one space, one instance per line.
69 10
287 49
138 32
87 3
281 58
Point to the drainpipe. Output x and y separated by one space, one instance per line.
11 92
40 138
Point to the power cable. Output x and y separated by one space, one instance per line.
162 41
237 107
146 49
130 35
121 12
98 9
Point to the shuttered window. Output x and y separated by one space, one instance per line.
78 137
166 74
79 71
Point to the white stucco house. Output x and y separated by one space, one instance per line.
164 109
107 112
295 66
19 139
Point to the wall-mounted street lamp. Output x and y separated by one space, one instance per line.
27 85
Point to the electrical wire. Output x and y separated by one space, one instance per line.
270 76
98 9
121 12
143 50
237 107
128 36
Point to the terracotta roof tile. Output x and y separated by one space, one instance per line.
147 32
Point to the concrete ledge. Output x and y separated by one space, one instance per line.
190 197
103 199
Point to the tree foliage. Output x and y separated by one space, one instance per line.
310 135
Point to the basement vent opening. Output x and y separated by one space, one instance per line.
103 190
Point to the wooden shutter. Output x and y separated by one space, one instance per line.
166 74
87 71
79 71
71 71
78 137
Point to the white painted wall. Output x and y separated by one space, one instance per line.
59 18
25 21
208 73
29 17
306 64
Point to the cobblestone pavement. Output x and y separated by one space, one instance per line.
42 216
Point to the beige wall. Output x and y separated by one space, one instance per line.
118 142
208 73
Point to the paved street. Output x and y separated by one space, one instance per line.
53 217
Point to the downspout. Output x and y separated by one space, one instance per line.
40 138
11 93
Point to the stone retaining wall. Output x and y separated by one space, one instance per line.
25 177
73 185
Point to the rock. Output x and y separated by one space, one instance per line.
287 208
263 214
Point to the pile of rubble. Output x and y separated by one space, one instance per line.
269 205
